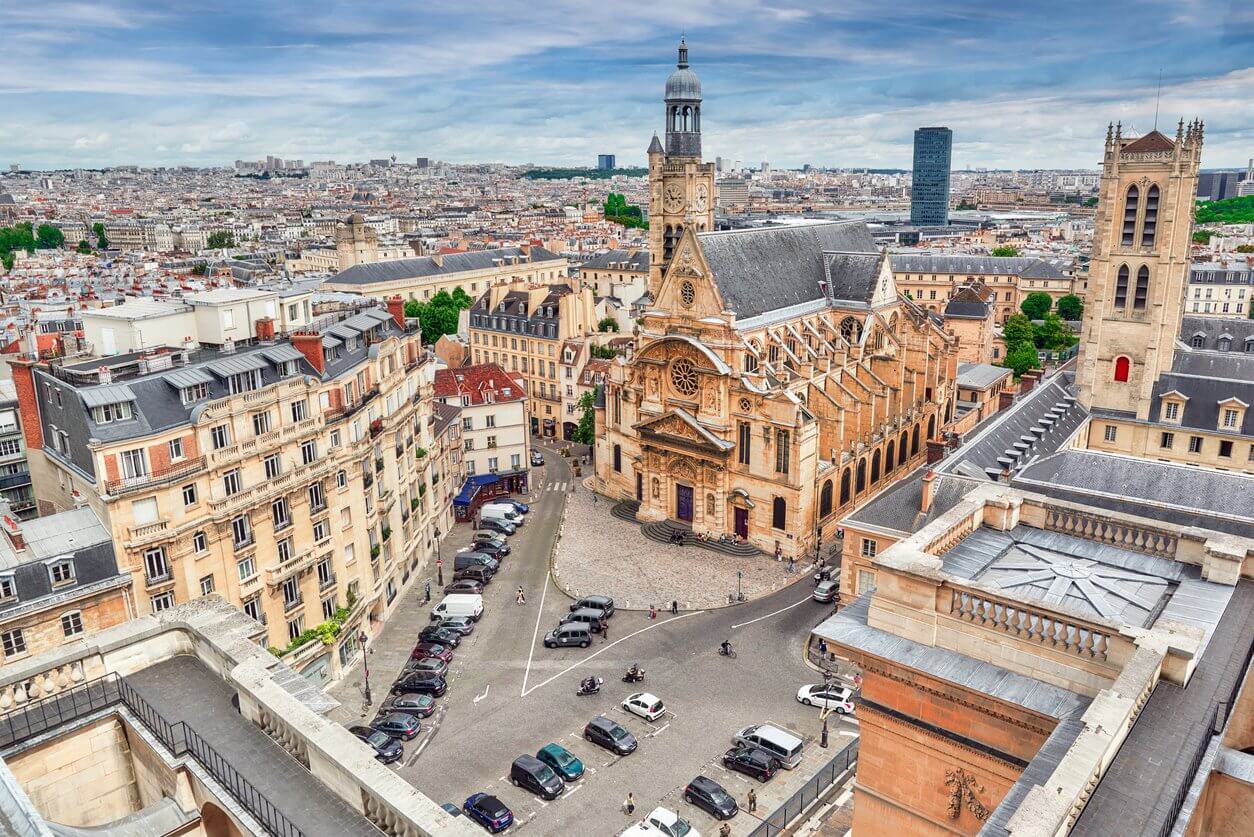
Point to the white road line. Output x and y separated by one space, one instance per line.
573 788
539 615
485 693
658 731
775 613
596 653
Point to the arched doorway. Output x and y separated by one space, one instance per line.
216 822
825 500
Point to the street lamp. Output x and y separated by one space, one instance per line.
439 562
365 667
740 597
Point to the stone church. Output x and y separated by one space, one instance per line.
778 379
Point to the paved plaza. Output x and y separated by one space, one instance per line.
602 554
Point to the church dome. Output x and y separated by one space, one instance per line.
683 84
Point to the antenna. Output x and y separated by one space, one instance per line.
1159 97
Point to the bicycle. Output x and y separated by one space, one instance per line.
730 652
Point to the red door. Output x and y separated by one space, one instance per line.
683 503
742 523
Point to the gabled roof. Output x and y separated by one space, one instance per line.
1151 142
705 437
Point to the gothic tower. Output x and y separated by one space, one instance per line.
1139 267
681 187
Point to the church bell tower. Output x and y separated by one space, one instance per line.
681 187
1138 273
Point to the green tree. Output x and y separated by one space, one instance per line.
1021 358
48 237
1052 334
1018 329
1228 211
603 352
101 241
607 324
219 239
1202 236
412 308
12 239
200 269
1070 307
585 432
461 299
1090 201
1004 250
1036 305
1245 248
84 247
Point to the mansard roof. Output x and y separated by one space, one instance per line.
764 269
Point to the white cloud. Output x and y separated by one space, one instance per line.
92 141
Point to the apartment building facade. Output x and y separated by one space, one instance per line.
290 477
525 328
493 424
1219 290
15 483
931 280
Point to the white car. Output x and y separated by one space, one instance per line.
647 706
827 697
663 823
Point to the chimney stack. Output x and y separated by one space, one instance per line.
925 502
396 307
309 344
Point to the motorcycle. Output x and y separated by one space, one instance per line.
727 652
822 575
585 690
633 678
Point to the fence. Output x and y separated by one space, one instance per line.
819 783
65 707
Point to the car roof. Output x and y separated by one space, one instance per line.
588 611
647 697
705 783
595 599
528 762
555 749
396 716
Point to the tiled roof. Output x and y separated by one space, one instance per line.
1025 267
1151 142
475 381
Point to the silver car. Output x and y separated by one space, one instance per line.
826 591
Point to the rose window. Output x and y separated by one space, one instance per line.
684 376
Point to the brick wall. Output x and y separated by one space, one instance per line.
27 403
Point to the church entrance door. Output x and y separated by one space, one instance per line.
683 502
742 523
640 486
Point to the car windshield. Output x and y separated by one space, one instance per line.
618 733
719 796
544 773
680 827
378 739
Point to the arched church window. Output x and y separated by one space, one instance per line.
772 353
1121 287
861 484
888 458
901 448
844 486
825 500
850 330
875 467
684 376
1122 366
1149 225
1141 297
1129 215
779 514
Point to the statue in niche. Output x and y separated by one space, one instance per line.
709 506
651 384
710 402
656 489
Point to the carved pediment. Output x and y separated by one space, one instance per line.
678 426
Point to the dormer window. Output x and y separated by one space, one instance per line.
61 572
244 382
195 392
109 413
8 590
1225 344
1232 414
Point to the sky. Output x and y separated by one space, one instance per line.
1022 84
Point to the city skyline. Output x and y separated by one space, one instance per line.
121 83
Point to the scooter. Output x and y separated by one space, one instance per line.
584 690
633 678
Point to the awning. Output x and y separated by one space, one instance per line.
471 487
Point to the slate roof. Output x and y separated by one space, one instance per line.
1025 267
444 415
369 274
638 260
980 375
1206 378
764 269
1210 329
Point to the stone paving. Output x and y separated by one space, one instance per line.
598 554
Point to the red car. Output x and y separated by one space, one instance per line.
426 650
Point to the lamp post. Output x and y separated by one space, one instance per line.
365 666
439 562
740 597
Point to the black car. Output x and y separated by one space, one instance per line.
751 761
480 573
386 748
602 603
448 637
427 665
492 543
420 706
606 733
709 796
489 812
397 724
529 773
424 683
537 458
501 526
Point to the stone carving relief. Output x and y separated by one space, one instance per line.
651 383
682 469
709 505
962 790
688 263
656 489
710 398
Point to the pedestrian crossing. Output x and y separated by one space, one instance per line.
557 486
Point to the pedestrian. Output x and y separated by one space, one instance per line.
594 498
630 804
725 830
779 553
753 800
823 647
426 590
605 630
792 565
674 607
652 612
520 598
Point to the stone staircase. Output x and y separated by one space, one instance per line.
661 531
626 510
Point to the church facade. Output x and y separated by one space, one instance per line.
778 380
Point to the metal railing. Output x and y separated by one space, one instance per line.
778 820
47 714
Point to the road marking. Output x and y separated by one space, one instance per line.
596 653
658 731
775 613
573 788
539 615
485 693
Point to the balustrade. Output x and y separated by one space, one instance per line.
1028 623
1157 542
15 695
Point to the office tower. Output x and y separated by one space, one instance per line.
605 162
929 194
424 162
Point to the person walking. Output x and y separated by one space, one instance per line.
630 805
605 630
652 612
792 565
521 598
674 607
779 553
753 800
725 830
426 590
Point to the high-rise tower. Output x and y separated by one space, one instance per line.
1139 268
681 187
929 180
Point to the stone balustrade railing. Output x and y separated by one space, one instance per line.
1030 624
954 534
16 693
1108 530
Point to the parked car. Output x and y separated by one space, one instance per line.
609 734
602 603
478 573
421 682
423 650
489 812
474 557
459 626
496 549
711 797
537 459
647 706
397 724
827 697
518 505
529 773
452 810
488 536
826 591
662 822
572 633
562 760
386 748
439 632
420 706
465 585
751 761
587 615
428 665
502 527
504 514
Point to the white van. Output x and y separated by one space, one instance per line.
459 604
782 745
505 513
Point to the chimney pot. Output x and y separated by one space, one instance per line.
925 502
